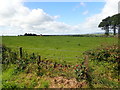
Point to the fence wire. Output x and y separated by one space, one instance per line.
52 56
47 49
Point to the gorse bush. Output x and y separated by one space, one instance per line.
104 64
109 54
12 57
80 71
6 57
32 62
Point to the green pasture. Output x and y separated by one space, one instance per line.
59 48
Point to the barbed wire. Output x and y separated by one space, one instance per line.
52 56
64 57
47 49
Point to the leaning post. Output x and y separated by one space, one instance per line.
20 52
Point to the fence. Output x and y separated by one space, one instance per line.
50 56
39 57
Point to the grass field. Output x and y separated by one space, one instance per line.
57 48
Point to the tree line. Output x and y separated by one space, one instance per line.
30 34
112 22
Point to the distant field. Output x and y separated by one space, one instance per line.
57 48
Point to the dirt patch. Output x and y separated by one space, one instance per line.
62 82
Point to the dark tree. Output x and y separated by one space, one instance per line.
30 34
111 22
105 24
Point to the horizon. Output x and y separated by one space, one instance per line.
100 33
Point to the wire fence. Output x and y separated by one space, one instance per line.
51 55
46 49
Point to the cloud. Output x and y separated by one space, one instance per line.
16 19
119 7
82 4
85 12
91 23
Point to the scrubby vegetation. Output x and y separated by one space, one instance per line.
13 66
104 63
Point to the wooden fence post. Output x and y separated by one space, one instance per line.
55 64
20 52
86 61
39 59
38 63
88 73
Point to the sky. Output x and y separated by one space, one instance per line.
19 17
71 13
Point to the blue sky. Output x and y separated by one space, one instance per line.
71 13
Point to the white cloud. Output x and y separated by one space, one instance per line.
82 4
16 19
20 19
91 23
85 12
